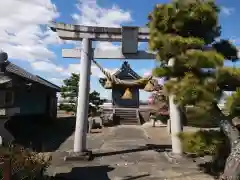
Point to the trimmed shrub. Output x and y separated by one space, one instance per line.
163 118
202 142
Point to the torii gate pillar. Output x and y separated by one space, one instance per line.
80 137
175 121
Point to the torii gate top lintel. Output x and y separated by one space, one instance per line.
128 35
60 27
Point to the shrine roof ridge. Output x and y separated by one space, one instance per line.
126 66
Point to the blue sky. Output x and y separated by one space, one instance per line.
31 45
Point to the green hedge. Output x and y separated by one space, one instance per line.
202 142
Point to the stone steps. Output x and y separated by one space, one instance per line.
127 116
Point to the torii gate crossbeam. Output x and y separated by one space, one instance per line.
129 36
109 54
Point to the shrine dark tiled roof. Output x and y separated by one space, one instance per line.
12 68
126 67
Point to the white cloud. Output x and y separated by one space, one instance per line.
107 46
227 10
22 29
24 34
57 81
91 14
96 72
49 67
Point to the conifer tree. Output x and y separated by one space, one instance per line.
188 31
69 92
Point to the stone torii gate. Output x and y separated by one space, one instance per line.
129 36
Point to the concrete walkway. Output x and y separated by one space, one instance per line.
125 153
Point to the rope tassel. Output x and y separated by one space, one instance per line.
108 84
116 80
149 87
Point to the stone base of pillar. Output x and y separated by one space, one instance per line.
174 158
79 156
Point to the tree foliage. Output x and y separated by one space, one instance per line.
232 104
188 31
69 92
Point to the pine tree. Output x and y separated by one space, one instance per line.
188 32
69 92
